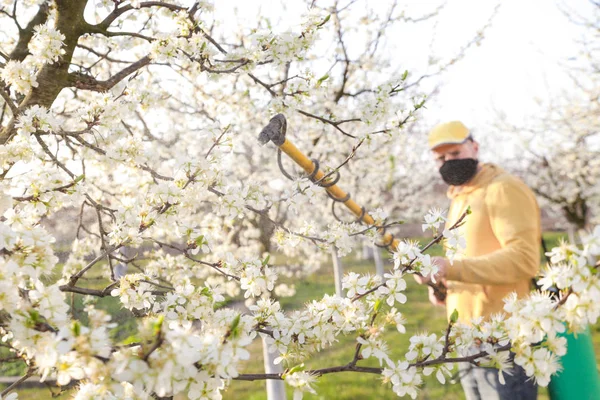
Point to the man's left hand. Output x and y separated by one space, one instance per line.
443 264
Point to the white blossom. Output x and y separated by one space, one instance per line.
36 118
455 243
19 75
46 44
433 219
302 382
394 286
405 380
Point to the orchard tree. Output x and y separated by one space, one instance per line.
143 118
562 163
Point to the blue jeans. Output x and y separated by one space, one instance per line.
481 383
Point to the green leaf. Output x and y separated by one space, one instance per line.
266 260
419 105
234 329
79 178
454 316
157 325
323 79
76 328
296 368
405 75
131 339
377 305
34 317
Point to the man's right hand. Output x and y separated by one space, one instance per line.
421 280
434 300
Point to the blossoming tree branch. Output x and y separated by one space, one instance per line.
130 129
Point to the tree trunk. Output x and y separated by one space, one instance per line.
367 251
338 272
275 388
378 261
52 78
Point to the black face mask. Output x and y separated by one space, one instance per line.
458 172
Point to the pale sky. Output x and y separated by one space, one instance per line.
516 63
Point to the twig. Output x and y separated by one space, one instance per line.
155 345
217 142
447 340
9 102
330 122
371 370
368 228
563 299
117 12
350 156
75 277
157 284
256 80
17 383
56 189
215 266
357 355
86 82
92 292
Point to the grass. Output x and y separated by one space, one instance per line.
420 314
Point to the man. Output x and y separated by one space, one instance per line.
503 234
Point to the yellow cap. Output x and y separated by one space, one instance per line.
453 132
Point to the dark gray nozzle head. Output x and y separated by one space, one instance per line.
274 131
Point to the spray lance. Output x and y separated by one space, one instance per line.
275 132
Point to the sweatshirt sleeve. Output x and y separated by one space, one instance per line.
515 221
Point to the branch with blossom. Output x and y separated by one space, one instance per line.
127 131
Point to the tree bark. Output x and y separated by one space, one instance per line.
21 50
52 78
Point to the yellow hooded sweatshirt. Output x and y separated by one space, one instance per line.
503 236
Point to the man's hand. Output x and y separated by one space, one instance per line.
443 264
434 300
